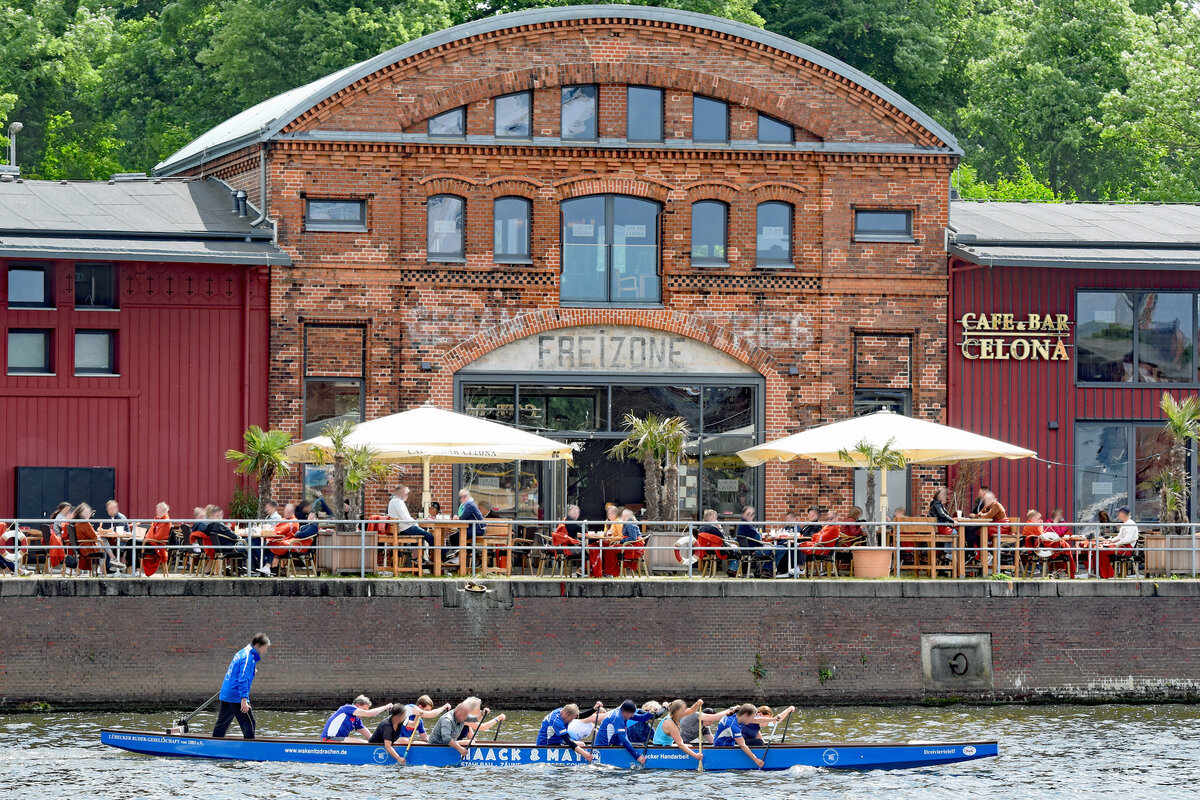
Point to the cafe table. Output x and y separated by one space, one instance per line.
960 549
443 529
118 539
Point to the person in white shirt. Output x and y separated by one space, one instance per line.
398 510
1120 545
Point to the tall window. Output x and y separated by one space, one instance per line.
514 116
30 287
445 226
95 286
709 232
95 352
772 131
1116 464
449 123
510 217
335 215
579 112
1136 337
29 351
644 114
710 119
774 235
610 250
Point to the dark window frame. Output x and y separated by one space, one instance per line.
662 113
514 258
758 130
1130 428
783 263
562 107
362 396
461 111
724 104
113 276
879 235
707 261
336 226
1137 299
48 368
113 367
496 122
446 256
47 271
610 245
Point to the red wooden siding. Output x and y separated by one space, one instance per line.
1017 400
166 421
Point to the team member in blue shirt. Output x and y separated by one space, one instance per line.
615 728
554 728
640 732
347 720
729 732
235 689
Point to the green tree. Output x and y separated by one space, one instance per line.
1034 96
264 457
1182 427
78 152
874 459
740 10
1023 186
657 443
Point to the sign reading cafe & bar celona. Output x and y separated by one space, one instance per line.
1003 337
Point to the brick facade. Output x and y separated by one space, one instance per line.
837 298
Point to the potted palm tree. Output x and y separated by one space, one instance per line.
873 561
263 459
1182 427
658 443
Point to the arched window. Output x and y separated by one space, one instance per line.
709 232
446 223
510 222
610 250
774 235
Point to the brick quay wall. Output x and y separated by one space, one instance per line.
95 643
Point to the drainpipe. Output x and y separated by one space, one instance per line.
262 185
246 388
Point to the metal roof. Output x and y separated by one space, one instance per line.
262 122
1079 235
148 220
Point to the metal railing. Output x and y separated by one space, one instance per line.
502 546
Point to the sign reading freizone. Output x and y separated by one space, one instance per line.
616 349
1004 337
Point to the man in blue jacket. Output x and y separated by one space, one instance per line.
235 689
614 729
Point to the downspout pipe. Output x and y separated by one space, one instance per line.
262 185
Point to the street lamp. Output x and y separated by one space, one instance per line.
13 129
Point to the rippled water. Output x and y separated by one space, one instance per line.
1059 751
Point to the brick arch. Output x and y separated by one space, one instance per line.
447 184
793 110
649 188
664 320
712 190
776 190
513 186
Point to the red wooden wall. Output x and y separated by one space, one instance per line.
1017 400
190 381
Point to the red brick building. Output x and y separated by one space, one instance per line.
559 216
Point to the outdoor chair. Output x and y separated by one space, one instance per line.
843 555
918 543
1126 563
554 555
633 560
304 558
754 555
496 538
523 555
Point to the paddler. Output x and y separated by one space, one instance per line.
729 731
667 732
690 726
448 729
614 728
415 714
389 732
554 728
235 689
347 720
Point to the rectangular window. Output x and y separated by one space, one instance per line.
328 400
29 351
1136 337
1165 333
772 131
610 250
30 287
1104 337
579 112
95 352
445 226
710 119
514 116
898 401
510 218
774 235
335 215
882 226
449 123
95 286
644 114
709 218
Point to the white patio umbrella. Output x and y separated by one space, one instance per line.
429 435
920 441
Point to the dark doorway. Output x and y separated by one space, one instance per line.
41 489
596 479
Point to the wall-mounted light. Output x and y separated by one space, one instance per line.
1053 425
426 366
793 370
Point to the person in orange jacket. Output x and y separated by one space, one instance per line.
159 534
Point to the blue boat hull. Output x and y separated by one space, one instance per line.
853 755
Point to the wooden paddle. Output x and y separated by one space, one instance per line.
497 736
700 738
471 741
416 726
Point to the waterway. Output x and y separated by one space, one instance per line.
1046 752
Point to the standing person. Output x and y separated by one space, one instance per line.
1120 545
449 727
235 689
398 510
615 728
347 720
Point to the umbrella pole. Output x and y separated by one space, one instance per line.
426 493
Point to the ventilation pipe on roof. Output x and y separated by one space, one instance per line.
241 203
262 185
233 198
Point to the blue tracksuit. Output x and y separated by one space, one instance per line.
728 732
342 723
553 730
615 730
640 730
239 676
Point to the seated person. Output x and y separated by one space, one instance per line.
89 543
565 539
749 538
415 716
993 512
389 732
347 720
405 524
615 728
823 543
631 546
554 728
603 558
159 534
199 535
729 731
752 730
281 540
850 532
711 539
640 731
226 543
1120 545
449 727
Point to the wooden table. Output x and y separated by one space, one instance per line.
136 535
985 568
442 529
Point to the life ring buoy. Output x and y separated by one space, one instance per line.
13 542
685 542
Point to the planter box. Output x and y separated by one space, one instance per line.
1171 554
346 559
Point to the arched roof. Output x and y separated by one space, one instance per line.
262 122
